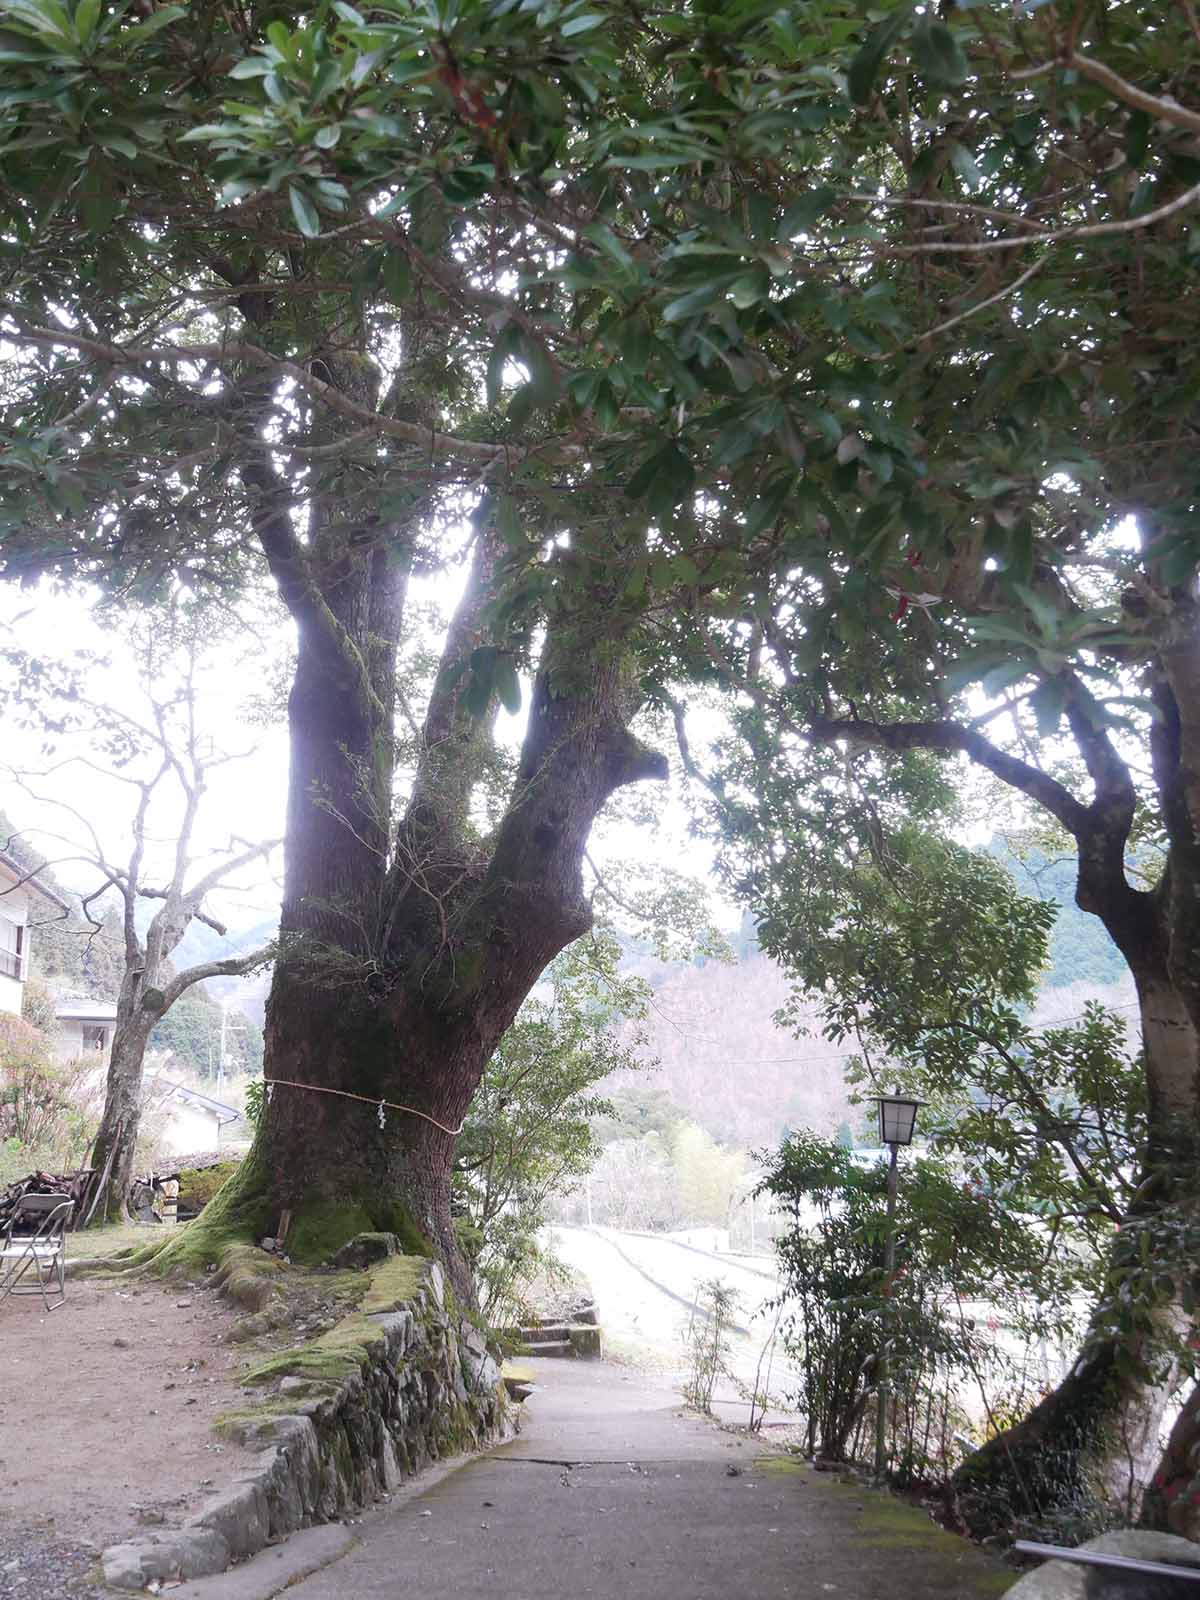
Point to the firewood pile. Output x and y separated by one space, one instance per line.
70 1185
157 1196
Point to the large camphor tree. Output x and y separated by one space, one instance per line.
757 336
283 297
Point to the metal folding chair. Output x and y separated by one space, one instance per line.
33 1257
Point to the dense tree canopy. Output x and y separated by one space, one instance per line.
820 351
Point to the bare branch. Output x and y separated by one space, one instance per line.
234 967
1161 107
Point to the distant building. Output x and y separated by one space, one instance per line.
85 1028
23 902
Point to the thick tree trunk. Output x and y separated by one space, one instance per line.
1095 1440
1172 1503
1084 1453
413 1022
407 949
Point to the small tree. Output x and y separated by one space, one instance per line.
529 1133
46 1118
955 1243
175 763
707 1175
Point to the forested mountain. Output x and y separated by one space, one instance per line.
71 952
1080 948
724 1063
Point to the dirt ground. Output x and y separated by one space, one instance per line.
106 1411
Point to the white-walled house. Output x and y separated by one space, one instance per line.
85 1028
23 902
193 1121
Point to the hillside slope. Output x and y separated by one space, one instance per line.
726 1064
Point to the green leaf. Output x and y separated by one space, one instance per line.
304 212
663 480
633 339
1048 700
397 276
864 69
1003 677
581 24
605 239
328 136
136 36
478 693
508 685
87 14
939 54
964 164
508 523
545 381
688 304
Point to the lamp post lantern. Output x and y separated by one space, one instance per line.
897 1120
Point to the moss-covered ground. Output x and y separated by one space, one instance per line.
885 1525
888 1524
348 1299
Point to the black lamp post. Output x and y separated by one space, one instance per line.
897 1120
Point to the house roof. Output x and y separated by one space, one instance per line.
202 1102
10 865
77 1010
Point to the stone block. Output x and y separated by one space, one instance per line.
1065 1580
585 1340
437 1285
366 1249
241 1516
190 1553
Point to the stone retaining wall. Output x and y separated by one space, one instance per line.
416 1383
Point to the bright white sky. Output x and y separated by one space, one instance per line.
241 710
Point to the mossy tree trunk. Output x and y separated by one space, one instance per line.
1172 1503
1097 1432
409 942
1096 1437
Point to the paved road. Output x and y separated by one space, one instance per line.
645 1288
610 1493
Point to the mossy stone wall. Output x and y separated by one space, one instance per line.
402 1382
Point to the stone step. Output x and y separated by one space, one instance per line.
544 1330
549 1347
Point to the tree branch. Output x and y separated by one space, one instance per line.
234 967
428 440
1161 107
953 738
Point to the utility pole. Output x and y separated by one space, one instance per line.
228 1029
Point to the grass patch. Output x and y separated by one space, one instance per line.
779 1466
112 1238
889 1524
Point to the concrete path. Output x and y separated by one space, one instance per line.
611 1493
